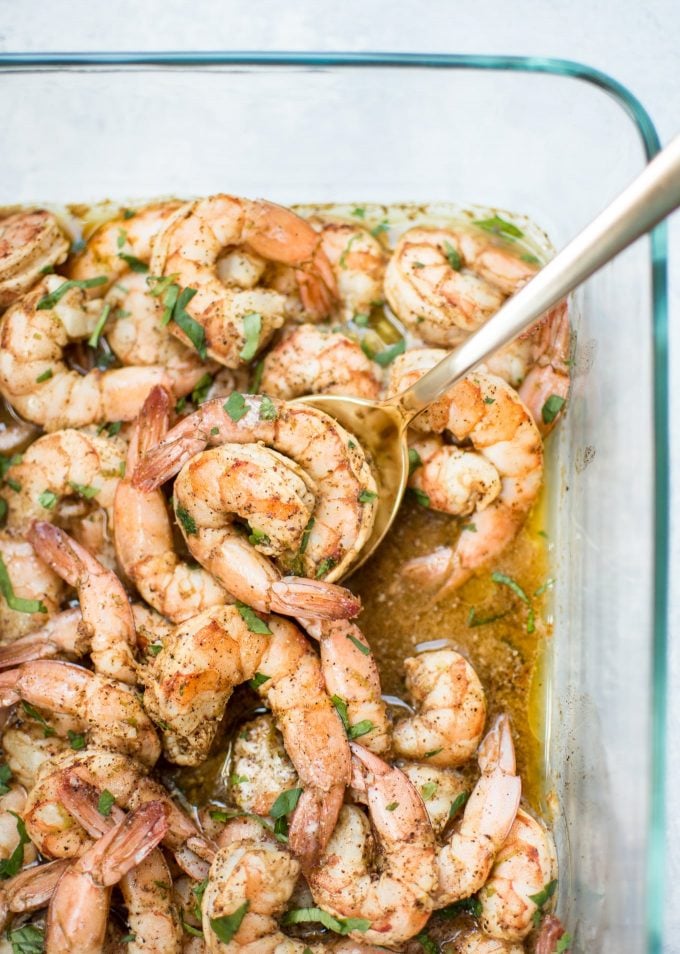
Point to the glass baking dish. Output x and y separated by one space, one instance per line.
550 139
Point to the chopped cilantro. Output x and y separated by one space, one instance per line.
17 602
252 620
499 226
225 927
49 301
187 521
552 408
106 802
252 327
236 406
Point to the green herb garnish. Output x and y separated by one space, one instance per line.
5 777
252 326
236 406
84 490
133 263
13 865
499 226
474 620
28 939
366 496
325 566
226 926
285 803
187 521
428 789
93 340
268 410
387 355
420 496
552 408
414 460
256 537
194 331
17 602
453 256
76 740
339 925
541 899
45 376
258 680
201 388
105 803
49 301
359 645
252 620
47 499
458 803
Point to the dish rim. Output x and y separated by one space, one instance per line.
631 105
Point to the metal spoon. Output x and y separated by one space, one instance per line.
381 426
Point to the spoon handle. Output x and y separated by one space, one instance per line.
653 195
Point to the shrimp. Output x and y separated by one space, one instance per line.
524 866
26 747
251 881
106 613
29 890
65 464
545 388
30 579
440 788
30 244
445 283
451 708
476 942
112 715
78 912
143 533
13 842
486 413
397 901
139 339
312 360
358 261
189 683
34 376
352 679
146 889
260 766
58 834
464 861
122 245
328 531
201 232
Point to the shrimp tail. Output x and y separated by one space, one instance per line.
153 423
296 595
313 823
61 634
129 842
9 692
30 890
164 461
81 798
431 570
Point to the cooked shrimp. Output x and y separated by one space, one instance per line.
30 244
326 532
67 463
122 244
78 912
464 861
139 339
545 388
34 377
397 900
58 834
358 261
12 806
143 533
440 789
189 683
146 888
313 360
26 748
486 413
29 890
31 579
453 480
260 766
445 283
251 881
475 941
106 613
202 232
524 866
450 709
112 714
352 678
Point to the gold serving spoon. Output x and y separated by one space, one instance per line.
380 427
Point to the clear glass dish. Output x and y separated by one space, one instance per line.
550 139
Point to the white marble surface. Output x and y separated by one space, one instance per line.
637 43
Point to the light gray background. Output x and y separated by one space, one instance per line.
636 42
